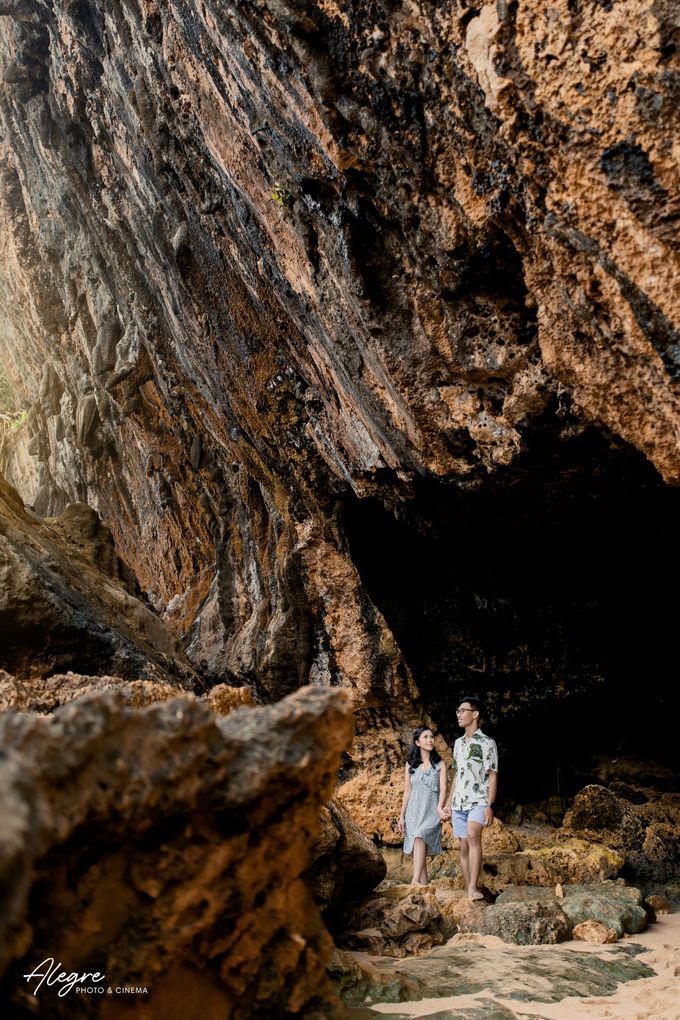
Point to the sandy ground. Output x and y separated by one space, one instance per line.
653 998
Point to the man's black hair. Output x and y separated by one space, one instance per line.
474 703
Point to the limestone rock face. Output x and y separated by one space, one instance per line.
65 601
165 846
357 330
265 262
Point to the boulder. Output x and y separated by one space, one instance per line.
498 839
347 864
572 860
659 904
536 919
615 905
167 846
661 848
593 931
646 834
600 816
399 922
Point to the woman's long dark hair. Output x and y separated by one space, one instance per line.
414 757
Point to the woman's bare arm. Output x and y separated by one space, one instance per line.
405 798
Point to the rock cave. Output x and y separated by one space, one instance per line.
339 362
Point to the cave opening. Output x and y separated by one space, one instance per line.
549 591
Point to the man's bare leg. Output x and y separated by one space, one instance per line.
465 862
474 840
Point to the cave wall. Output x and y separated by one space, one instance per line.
261 263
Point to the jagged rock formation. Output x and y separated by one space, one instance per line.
165 847
357 328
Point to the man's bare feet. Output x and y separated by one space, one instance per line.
474 894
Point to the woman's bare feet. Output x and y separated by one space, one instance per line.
474 894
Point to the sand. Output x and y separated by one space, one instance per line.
652 998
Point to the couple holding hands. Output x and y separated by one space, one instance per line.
470 803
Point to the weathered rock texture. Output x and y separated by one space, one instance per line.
165 847
45 694
402 921
646 835
463 967
356 325
66 601
347 864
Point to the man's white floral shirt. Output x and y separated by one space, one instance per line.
473 760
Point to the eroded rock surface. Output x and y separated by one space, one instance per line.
401 921
264 263
165 846
466 967
65 601
645 834
347 864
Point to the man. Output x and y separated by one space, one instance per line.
475 780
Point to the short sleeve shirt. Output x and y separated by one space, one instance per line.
473 760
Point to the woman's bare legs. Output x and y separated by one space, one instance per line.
420 862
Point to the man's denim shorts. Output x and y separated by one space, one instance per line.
461 818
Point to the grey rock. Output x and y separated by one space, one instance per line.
530 921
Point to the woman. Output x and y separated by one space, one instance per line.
422 809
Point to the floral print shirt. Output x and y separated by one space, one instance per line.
473 759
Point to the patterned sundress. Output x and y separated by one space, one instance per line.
421 818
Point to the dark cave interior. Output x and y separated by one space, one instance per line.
548 591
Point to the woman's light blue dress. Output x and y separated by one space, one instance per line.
421 818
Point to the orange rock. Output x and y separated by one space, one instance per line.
593 931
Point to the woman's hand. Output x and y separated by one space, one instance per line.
400 824
444 814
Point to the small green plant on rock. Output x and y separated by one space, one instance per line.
11 420
282 194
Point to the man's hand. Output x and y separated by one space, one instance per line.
488 816
444 814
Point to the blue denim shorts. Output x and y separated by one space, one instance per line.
461 818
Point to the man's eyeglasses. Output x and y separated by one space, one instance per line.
460 711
